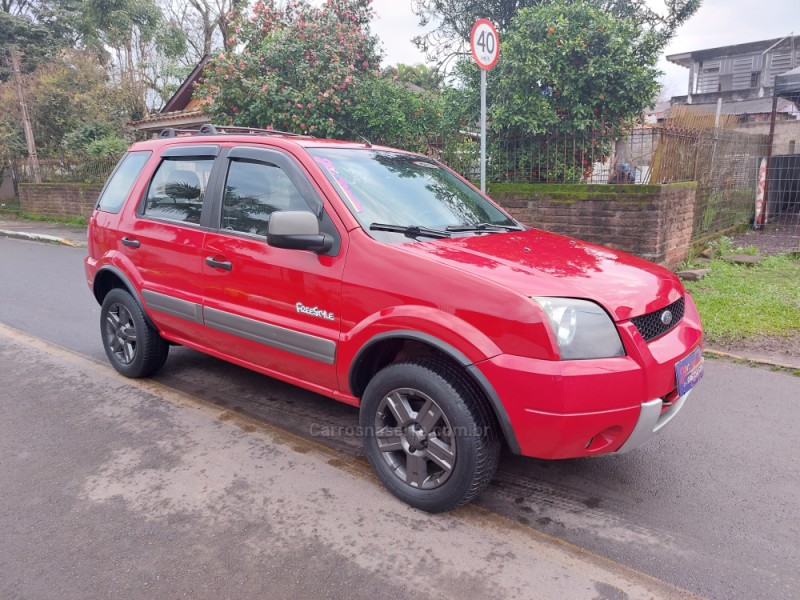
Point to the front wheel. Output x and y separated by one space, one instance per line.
133 346
429 433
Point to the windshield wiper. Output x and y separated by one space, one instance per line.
483 227
410 230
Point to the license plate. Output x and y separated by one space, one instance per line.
689 371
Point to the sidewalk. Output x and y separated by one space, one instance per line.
44 231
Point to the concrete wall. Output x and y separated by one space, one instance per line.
786 132
7 187
651 221
59 200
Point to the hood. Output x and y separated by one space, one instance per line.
538 263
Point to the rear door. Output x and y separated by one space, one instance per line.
164 240
273 308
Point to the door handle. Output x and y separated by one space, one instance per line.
126 241
218 264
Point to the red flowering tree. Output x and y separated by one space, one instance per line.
298 68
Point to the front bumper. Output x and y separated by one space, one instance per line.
569 409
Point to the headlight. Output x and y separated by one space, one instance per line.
582 328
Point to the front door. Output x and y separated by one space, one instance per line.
272 308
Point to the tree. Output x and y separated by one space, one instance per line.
386 110
314 70
565 67
207 23
35 41
420 75
72 104
17 7
299 69
137 44
569 66
454 19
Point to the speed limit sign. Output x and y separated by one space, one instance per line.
485 44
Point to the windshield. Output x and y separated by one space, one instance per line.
406 190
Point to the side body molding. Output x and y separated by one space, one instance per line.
460 358
176 307
296 342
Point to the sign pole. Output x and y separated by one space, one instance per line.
483 131
485 46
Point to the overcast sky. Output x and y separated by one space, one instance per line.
717 23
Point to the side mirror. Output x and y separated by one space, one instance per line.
297 230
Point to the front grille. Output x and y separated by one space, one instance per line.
650 325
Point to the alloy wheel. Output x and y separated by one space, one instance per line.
415 438
121 333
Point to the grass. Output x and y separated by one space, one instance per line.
12 211
75 221
737 301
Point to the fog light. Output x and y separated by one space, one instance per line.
604 439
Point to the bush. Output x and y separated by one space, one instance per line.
110 145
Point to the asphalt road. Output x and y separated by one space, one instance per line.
710 506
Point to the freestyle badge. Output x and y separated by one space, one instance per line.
314 312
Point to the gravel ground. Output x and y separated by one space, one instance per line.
781 236
784 350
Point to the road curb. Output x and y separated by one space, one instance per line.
757 361
41 237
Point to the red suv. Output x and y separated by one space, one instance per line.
382 279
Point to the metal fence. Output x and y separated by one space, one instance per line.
583 158
725 165
724 162
591 157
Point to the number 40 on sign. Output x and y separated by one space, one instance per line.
485 44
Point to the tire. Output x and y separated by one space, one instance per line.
429 433
132 345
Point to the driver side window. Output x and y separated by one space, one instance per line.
253 191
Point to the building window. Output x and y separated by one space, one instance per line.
755 79
709 80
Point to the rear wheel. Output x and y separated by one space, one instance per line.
429 434
132 345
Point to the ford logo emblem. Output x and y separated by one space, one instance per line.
666 317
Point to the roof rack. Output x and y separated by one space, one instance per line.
209 129
171 132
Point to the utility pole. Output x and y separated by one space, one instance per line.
33 159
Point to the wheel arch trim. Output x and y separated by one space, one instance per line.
456 355
129 287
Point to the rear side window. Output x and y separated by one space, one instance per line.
253 191
121 181
177 190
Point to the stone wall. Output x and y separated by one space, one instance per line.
651 221
59 200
